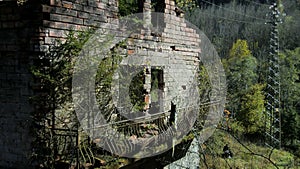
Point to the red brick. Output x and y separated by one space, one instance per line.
101 5
88 22
49 40
68 19
81 27
52 2
92 3
88 9
60 25
78 7
71 26
68 5
65 11
57 33
77 21
55 2
83 15
130 52
55 17
99 11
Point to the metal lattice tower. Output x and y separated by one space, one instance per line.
273 121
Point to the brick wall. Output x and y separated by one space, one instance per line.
25 32
61 16
28 30
17 34
172 44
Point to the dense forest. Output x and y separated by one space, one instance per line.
241 33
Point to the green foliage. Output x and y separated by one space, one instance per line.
103 81
127 7
251 114
239 49
224 25
55 69
186 4
136 90
158 6
237 127
204 90
290 95
204 85
241 68
233 20
242 158
241 73
53 74
245 95
288 30
154 85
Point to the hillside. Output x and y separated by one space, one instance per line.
245 154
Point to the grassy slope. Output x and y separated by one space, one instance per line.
243 159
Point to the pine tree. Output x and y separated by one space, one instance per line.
245 96
290 95
240 71
251 113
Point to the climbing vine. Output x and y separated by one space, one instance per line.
58 138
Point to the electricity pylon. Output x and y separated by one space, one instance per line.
273 112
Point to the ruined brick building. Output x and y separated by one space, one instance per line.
28 30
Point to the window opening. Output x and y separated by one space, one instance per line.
157 20
157 89
137 92
128 7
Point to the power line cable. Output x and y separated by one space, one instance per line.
236 12
234 20
257 3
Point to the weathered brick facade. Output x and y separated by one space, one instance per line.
25 32
28 30
169 42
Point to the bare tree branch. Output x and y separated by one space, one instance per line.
203 154
253 153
